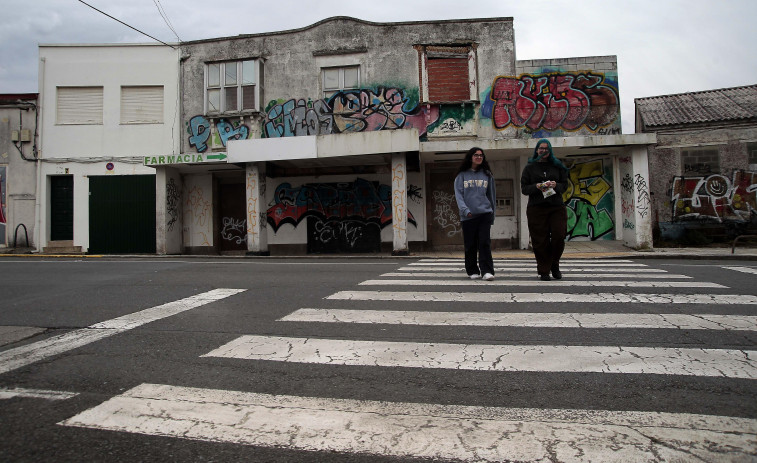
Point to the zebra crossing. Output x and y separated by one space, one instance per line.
477 432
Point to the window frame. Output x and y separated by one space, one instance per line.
331 91
452 51
237 90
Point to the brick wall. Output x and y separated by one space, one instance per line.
448 79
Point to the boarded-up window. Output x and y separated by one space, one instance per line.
448 74
700 160
79 105
142 105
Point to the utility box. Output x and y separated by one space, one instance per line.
26 135
14 135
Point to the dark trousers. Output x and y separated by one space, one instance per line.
478 245
548 227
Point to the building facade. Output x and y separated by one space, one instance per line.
703 181
18 155
103 108
345 136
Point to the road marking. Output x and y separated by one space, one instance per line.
743 269
532 269
572 274
724 363
429 431
521 264
34 352
528 319
463 281
638 298
6 393
533 261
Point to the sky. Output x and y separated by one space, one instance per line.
662 46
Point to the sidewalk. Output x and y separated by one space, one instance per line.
573 249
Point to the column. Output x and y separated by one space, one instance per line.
257 238
399 204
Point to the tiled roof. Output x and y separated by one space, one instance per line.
726 104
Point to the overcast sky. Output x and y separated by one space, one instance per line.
663 46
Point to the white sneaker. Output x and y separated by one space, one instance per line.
474 276
488 276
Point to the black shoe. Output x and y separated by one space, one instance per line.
544 277
556 273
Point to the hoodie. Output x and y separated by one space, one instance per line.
474 192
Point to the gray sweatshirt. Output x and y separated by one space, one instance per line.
474 192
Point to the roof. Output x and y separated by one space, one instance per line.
725 104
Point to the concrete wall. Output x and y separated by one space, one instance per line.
18 178
722 197
88 149
389 74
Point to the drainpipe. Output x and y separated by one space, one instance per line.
37 201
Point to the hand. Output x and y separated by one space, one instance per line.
470 215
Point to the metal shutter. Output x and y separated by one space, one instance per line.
142 105
79 105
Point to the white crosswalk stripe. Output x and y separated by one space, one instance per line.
743 269
477 433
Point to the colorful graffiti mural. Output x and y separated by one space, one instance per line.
554 101
361 200
199 132
590 201
347 111
715 197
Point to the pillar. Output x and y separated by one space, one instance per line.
399 204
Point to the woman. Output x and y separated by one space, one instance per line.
544 180
474 192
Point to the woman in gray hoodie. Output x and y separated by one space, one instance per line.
475 195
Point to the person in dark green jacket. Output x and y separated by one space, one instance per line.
544 180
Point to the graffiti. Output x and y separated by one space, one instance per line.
347 111
624 160
343 236
360 200
445 215
450 126
628 208
234 230
298 117
3 221
252 203
173 197
399 194
198 212
642 198
553 101
590 200
628 224
228 131
627 184
715 197
584 220
414 194
199 132
610 131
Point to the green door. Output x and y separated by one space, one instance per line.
122 214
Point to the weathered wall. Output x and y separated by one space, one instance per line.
553 98
724 194
17 177
389 68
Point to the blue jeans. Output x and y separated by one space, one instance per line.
478 244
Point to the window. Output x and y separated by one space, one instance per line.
142 105
79 105
448 74
232 86
340 78
700 160
751 149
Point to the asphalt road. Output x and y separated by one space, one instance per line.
220 376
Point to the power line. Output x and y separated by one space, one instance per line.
164 15
116 19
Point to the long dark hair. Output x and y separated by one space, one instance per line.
467 163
